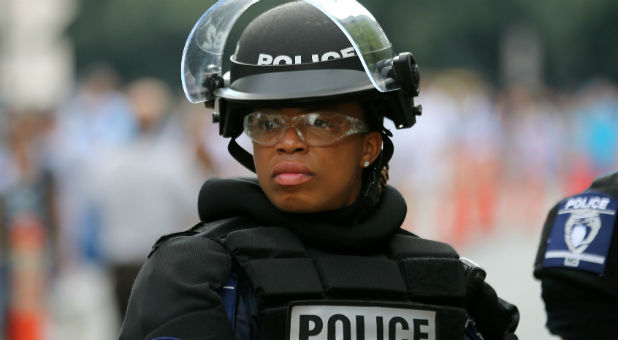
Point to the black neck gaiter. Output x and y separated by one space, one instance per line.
360 227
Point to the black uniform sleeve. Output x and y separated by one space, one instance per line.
495 318
175 294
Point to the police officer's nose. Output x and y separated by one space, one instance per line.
291 141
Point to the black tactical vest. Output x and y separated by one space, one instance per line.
425 277
304 276
324 258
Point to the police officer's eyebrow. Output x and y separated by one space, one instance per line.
316 107
319 106
304 108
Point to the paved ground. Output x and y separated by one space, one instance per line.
508 258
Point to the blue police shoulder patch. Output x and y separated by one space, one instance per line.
582 231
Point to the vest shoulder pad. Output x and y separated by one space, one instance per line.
213 230
407 245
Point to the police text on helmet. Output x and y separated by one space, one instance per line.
267 59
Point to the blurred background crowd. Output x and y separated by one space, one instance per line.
100 153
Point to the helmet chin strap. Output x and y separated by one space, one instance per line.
387 148
243 157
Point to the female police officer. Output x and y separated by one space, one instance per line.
313 248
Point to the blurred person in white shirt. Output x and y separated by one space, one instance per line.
145 188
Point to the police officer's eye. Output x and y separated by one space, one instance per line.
319 122
267 124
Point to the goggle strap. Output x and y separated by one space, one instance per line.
241 155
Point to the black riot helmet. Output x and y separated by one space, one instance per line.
298 53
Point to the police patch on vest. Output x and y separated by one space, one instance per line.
360 320
581 234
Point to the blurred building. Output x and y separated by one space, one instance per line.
36 61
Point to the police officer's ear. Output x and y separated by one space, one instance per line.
372 145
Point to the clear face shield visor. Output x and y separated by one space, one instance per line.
203 51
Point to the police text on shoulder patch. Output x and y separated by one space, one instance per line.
582 232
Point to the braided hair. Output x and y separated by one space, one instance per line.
376 176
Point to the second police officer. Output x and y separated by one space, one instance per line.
313 247
576 263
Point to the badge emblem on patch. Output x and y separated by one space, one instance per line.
582 231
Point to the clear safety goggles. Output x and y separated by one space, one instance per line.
314 129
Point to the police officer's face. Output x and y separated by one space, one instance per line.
298 177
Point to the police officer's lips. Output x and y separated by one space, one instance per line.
290 173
